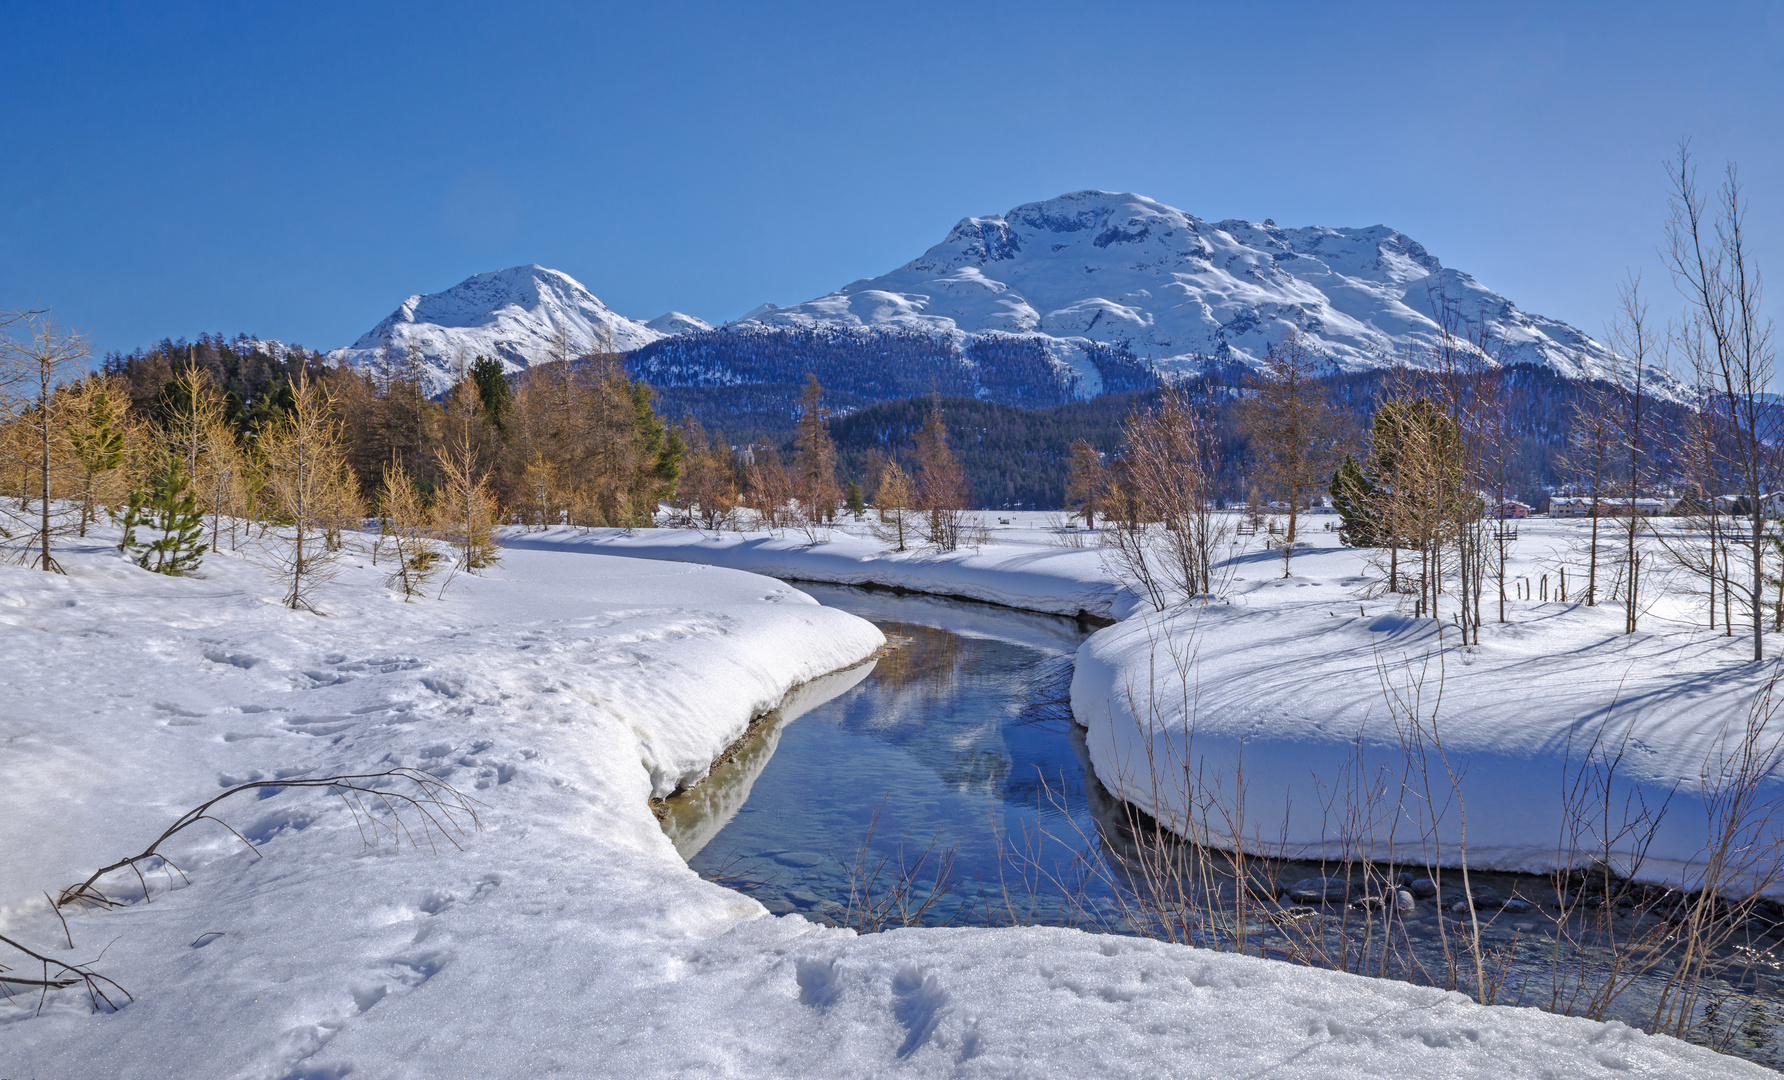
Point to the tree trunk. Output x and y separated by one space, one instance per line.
43 430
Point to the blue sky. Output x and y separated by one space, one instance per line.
295 171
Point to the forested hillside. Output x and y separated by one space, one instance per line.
1018 458
742 380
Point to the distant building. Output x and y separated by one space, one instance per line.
1586 506
1510 509
1570 506
1642 507
1771 505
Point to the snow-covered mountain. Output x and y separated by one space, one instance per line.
521 316
674 322
1064 285
1124 270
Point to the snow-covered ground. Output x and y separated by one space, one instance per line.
1020 569
566 937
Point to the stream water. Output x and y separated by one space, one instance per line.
952 744
946 783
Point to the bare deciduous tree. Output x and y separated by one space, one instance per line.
1169 461
34 361
1713 266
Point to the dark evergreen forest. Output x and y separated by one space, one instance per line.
1009 414
742 380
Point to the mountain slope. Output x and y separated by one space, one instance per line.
521 316
1131 273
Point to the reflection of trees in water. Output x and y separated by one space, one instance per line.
949 701
928 660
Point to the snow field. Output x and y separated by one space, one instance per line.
1020 569
567 937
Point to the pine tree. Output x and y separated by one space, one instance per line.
856 505
492 391
1355 498
168 506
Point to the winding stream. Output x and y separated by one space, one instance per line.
951 766
946 738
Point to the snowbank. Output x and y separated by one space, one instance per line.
566 937
1298 678
1028 574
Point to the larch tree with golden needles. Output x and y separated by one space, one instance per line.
1169 463
312 492
1293 431
770 488
893 506
941 484
409 524
706 494
466 510
1087 486
197 431
814 460
96 419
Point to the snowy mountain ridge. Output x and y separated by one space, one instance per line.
1074 280
1130 272
521 316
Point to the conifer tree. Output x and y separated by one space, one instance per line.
706 492
492 391
169 507
856 505
1087 489
1292 430
37 359
1354 497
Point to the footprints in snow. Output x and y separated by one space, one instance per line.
818 985
392 977
919 1002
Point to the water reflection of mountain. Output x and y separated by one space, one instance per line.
694 817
